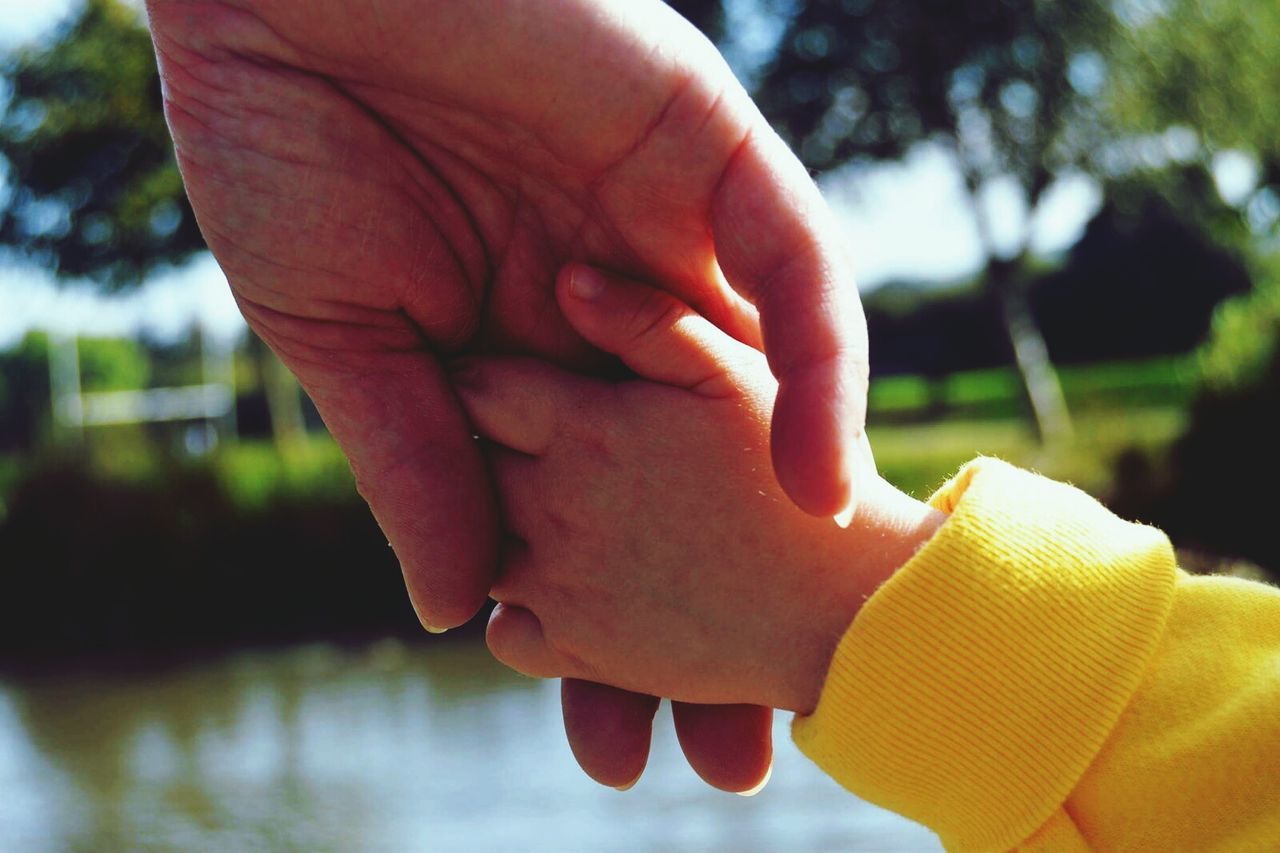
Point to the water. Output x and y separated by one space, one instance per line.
382 747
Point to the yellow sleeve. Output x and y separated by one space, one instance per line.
1042 675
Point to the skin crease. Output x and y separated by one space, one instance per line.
387 181
655 549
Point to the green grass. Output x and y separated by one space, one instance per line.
997 393
255 473
922 432
920 457
917 457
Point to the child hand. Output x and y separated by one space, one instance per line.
652 548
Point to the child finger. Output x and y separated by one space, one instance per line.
513 401
514 636
655 334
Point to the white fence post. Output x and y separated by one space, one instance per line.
213 401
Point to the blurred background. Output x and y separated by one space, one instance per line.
1067 222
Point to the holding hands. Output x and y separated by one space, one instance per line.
399 186
650 546
389 183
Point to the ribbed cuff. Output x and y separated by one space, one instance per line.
977 685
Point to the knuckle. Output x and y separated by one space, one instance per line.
562 522
657 312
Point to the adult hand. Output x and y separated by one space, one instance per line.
385 180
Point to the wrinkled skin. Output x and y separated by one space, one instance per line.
385 182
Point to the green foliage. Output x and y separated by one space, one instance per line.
106 364
24 393
1143 280
1010 86
112 364
919 457
1139 254
256 474
94 561
1245 339
93 187
179 362
1214 490
1178 72
995 393
1209 67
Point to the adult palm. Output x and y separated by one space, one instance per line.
388 182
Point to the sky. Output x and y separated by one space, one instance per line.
907 220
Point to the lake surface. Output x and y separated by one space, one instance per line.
384 746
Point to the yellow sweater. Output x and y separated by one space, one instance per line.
1041 675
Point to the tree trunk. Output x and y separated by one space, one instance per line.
1031 355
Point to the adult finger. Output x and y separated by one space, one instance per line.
777 244
653 332
415 463
515 402
609 730
729 746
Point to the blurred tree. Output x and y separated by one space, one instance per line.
921 329
1137 255
1245 344
25 412
1137 252
93 190
1206 71
92 187
1010 88
112 364
1216 490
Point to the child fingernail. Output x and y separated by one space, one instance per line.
844 517
431 629
751 792
586 283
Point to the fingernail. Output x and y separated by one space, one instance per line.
629 785
751 792
844 517
431 629
586 283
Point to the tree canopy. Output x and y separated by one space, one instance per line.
1210 70
1010 87
92 187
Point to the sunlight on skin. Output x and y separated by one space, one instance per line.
354 244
